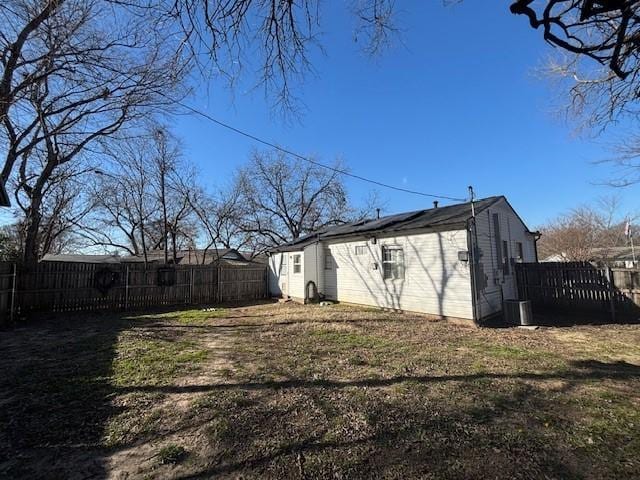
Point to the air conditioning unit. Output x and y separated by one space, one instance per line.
517 312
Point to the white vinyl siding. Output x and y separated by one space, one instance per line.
278 274
435 281
282 280
497 267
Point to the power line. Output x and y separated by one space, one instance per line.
307 159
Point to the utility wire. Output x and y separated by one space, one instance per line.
307 159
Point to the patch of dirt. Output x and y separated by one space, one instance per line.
135 461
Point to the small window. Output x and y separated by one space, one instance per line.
284 259
328 260
392 263
297 263
361 250
519 251
505 257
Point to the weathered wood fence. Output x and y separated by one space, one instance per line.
64 287
579 287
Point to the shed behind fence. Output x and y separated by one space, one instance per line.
71 286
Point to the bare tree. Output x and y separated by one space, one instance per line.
142 201
20 21
284 199
10 243
220 219
124 200
578 234
172 178
601 52
64 204
95 76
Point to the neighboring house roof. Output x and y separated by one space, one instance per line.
196 256
252 257
614 253
609 254
82 258
439 218
556 257
185 257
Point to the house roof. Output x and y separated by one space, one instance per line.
185 257
605 254
82 258
194 256
614 254
447 217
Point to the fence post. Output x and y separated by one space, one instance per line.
612 300
266 283
13 292
219 274
126 287
191 287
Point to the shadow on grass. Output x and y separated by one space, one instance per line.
478 429
57 392
56 395
581 371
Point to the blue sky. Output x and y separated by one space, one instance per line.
458 104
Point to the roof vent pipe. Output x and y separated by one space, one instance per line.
378 213
435 204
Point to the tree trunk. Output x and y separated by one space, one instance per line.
30 255
164 215
173 247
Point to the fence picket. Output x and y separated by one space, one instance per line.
579 286
60 286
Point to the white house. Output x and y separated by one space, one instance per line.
453 262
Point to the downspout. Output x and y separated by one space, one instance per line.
472 241
319 288
472 268
536 237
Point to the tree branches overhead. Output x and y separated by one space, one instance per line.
273 37
604 30
607 32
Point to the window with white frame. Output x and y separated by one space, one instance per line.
361 250
297 263
283 263
392 262
328 259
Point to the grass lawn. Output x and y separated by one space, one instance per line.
290 391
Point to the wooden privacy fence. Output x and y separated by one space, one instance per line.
580 287
63 287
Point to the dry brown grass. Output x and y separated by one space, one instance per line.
291 391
